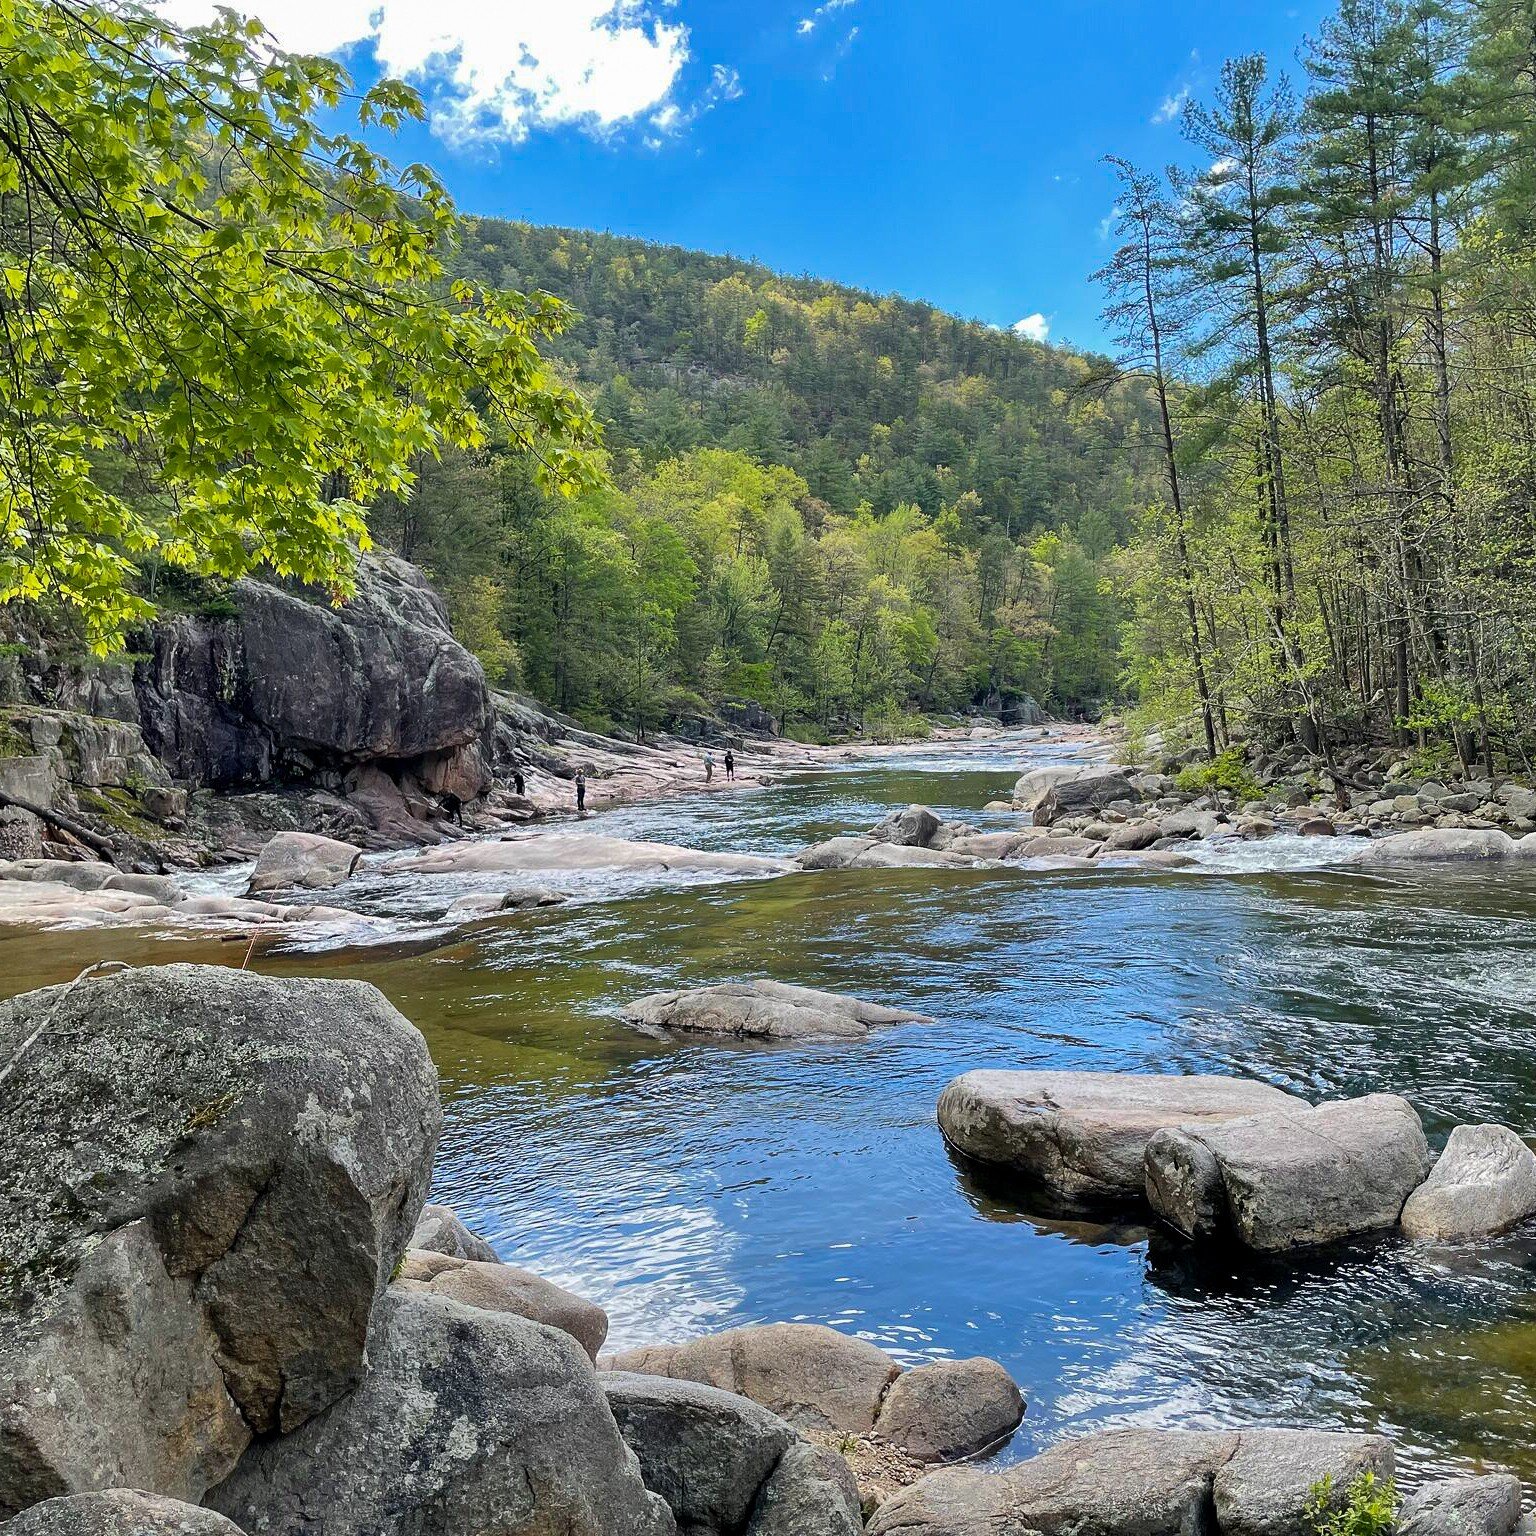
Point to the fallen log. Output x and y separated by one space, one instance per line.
75 829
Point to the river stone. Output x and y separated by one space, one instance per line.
439 1230
707 1452
811 1492
1265 1486
1131 836
1089 792
496 1287
811 1376
1292 1178
253 1153
948 1410
1484 1181
764 1010
866 853
910 828
465 1422
119 1512
1463 1506
1033 786
302 860
1437 843
1082 1135
1123 1482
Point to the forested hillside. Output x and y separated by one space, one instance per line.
843 507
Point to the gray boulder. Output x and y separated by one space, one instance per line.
439 1230
119 1512
213 1174
466 1421
499 1287
1033 786
708 1453
850 852
1265 1486
1083 1135
1131 836
813 1377
1087 792
764 1010
811 1492
1484 1181
949 1410
913 827
1450 844
1463 1506
302 860
1292 1178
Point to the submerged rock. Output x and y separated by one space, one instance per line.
212 1175
302 860
1484 1181
119 1512
466 1422
764 1010
1293 1178
439 1230
497 1287
1083 1135
577 851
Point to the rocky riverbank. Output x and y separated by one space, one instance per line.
245 1318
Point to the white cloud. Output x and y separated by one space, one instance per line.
492 70
1107 223
808 23
1033 328
1172 106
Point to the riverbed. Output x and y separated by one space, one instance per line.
693 1187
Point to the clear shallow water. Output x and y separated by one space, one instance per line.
690 1187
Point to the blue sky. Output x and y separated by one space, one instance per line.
947 150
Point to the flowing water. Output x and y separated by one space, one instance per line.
690 1187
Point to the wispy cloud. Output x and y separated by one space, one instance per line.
1033 328
493 73
808 24
1107 223
1172 106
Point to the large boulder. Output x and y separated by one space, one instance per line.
913 827
211 1176
1484 1181
1032 787
1439 844
466 1421
499 1287
811 1492
119 1512
1087 792
1082 1135
764 1010
439 1230
1293 1178
302 860
813 1377
1463 1506
949 1410
1141 1482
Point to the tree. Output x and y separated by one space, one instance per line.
223 329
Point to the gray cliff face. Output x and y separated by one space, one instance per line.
291 685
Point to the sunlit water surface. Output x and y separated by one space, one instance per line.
693 1187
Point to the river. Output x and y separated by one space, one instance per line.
694 1187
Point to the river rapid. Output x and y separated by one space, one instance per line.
693 1187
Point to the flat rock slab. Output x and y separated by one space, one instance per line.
813 1377
1083 1135
1484 1182
764 1010
497 1287
1291 1179
1141 1482
853 852
467 1421
578 851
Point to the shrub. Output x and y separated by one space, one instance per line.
1368 1508
1225 772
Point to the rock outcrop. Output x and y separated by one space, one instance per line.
764 1010
1293 1178
210 1178
1484 1182
466 1421
1142 1482
1082 1136
497 1287
119 1512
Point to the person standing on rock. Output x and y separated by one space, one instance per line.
709 766
730 764
581 791
517 781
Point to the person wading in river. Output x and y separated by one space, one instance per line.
730 764
581 791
